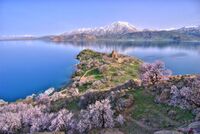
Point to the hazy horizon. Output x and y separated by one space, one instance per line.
36 17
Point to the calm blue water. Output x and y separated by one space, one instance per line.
28 67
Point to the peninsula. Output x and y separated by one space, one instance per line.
110 93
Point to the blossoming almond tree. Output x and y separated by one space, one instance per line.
151 73
98 115
63 121
27 118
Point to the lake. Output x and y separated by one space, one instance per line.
28 67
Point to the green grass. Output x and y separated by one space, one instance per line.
57 105
96 73
73 106
123 72
90 54
84 68
145 108
116 72
132 69
93 72
133 128
98 77
62 103
84 87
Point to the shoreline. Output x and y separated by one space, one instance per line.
105 40
115 78
66 85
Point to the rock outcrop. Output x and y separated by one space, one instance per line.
180 91
2 102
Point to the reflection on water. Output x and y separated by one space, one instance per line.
181 58
31 67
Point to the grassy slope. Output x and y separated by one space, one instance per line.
145 116
116 72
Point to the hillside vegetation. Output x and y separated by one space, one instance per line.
109 93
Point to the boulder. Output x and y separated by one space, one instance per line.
193 128
74 85
56 96
95 63
77 78
103 68
2 102
96 83
73 91
30 97
196 111
164 96
123 103
49 91
197 117
79 72
177 99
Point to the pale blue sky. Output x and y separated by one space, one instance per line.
41 17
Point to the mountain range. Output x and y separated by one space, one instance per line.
123 31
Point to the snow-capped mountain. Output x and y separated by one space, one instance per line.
17 37
120 31
114 28
124 31
190 29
